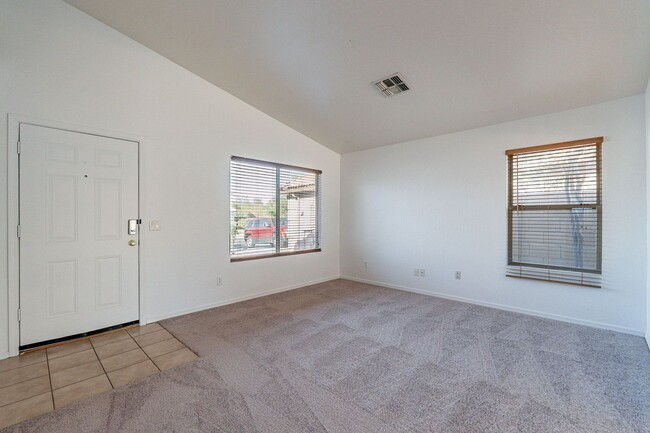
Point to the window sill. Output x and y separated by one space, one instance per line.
593 286
267 256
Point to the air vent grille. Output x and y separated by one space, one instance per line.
391 85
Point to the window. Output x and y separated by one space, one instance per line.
555 212
274 209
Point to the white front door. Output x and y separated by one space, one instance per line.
78 269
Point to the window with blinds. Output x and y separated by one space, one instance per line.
555 212
274 209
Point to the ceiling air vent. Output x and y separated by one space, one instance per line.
391 85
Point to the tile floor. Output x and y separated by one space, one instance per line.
41 381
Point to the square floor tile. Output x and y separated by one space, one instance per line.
153 337
111 337
115 348
163 347
39 381
25 409
72 360
22 360
68 348
80 390
22 374
141 330
76 374
132 373
124 360
173 359
24 390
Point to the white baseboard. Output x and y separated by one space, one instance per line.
235 300
561 318
593 324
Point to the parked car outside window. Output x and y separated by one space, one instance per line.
262 231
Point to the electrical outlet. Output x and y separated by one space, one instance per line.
422 272
458 275
416 272
219 281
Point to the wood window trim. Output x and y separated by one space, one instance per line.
593 286
274 164
552 146
267 256
597 142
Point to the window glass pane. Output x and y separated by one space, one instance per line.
298 209
566 176
252 196
563 238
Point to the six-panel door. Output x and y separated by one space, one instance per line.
78 272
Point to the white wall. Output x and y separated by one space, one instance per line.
59 64
440 204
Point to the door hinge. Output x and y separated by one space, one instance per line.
18 230
139 221
18 148
19 314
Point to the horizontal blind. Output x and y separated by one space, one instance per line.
275 209
555 212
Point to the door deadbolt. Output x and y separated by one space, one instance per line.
133 227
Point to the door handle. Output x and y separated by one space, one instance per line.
133 242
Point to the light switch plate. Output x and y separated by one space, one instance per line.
154 226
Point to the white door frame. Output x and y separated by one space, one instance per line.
13 257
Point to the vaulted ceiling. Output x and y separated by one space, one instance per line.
470 63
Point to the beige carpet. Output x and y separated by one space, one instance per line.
349 357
